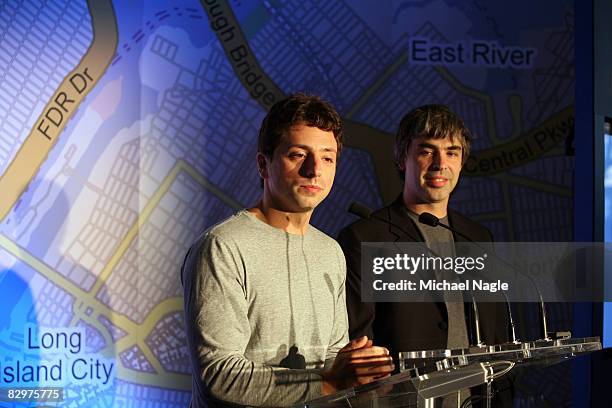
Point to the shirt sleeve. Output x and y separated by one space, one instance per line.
218 332
339 336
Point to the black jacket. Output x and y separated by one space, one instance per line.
409 326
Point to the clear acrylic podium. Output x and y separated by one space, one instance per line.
427 376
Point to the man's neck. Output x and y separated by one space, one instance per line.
293 223
440 210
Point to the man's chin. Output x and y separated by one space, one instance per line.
438 196
308 203
307 206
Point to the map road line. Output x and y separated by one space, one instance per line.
535 184
60 280
360 136
132 233
486 100
376 85
62 106
120 321
151 205
170 305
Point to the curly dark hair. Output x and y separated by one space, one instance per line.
297 109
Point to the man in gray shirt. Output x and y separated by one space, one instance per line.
264 290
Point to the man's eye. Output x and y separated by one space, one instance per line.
296 155
329 159
426 153
453 153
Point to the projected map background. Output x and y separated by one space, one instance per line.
127 129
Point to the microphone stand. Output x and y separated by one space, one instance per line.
433 221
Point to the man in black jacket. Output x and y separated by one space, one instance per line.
431 147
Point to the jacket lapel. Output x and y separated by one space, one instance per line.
401 227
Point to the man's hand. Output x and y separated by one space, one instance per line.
357 363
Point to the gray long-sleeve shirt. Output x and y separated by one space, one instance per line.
264 311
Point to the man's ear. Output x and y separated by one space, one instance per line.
262 165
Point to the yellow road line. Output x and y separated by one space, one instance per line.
139 336
174 304
82 296
209 186
25 256
60 280
377 84
135 333
133 231
143 217
61 107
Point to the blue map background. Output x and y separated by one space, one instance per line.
164 144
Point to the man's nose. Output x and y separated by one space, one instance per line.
440 161
312 166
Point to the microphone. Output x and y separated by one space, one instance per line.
433 221
360 210
365 212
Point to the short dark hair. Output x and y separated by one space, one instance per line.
296 109
430 122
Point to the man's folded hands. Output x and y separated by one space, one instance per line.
357 363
